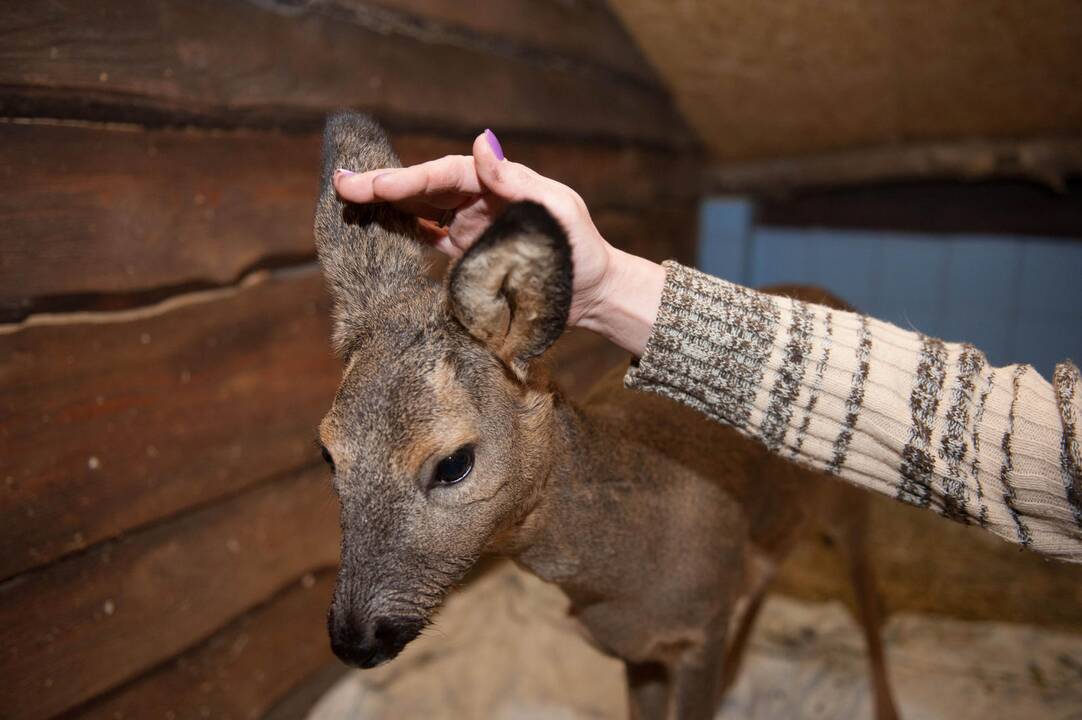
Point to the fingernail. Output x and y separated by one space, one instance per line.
494 143
342 172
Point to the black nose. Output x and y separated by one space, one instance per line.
368 643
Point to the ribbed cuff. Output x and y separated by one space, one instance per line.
709 345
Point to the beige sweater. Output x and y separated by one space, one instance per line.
927 422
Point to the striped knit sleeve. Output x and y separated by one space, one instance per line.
927 422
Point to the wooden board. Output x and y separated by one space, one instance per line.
113 216
1001 208
112 420
123 211
1047 162
89 623
243 670
658 232
281 64
582 32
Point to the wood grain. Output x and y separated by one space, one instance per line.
121 210
105 216
582 32
989 207
1049 161
109 421
283 64
89 623
240 672
658 232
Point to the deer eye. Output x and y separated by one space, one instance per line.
327 457
454 468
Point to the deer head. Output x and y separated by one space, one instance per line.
439 436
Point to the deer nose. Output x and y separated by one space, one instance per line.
368 643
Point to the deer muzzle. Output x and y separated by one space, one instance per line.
368 642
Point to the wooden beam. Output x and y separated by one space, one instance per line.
243 670
116 210
284 65
571 33
105 216
658 232
110 421
1047 161
933 206
97 620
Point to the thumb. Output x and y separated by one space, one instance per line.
502 177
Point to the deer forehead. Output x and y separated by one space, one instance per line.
454 411
401 412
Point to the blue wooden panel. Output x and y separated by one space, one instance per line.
725 236
1044 339
912 281
1049 311
782 256
994 335
914 267
983 271
1051 275
1019 299
981 294
848 263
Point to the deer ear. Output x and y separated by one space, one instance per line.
512 288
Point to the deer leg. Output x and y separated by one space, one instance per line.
871 616
763 573
648 690
697 682
734 656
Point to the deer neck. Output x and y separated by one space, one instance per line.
556 542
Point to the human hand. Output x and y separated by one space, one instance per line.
613 293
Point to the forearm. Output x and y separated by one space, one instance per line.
628 304
924 421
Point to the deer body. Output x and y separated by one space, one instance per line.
659 525
449 443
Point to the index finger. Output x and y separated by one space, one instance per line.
449 174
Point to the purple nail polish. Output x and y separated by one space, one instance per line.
342 172
494 143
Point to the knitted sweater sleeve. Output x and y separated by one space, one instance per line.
927 422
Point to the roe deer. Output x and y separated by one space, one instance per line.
448 442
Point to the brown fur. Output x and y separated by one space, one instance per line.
662 527
512 291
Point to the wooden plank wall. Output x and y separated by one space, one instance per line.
169 537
